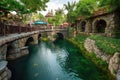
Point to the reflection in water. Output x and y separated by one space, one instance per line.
58 61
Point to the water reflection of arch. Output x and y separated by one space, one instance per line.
29 41
82 25
99 25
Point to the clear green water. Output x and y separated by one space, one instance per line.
54 61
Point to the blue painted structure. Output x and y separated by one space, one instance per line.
40 23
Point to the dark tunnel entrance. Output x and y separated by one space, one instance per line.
29 41
60 36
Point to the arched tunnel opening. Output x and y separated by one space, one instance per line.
100 26
29 41
10 50
83 23
60 36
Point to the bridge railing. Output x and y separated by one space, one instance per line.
10 29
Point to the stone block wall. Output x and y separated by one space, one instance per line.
5 73
3 50
112 28
112 60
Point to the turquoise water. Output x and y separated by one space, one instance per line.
54 61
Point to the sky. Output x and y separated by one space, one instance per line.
55 4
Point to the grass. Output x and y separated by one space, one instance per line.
106 44
79 42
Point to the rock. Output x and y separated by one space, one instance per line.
91 47
114 64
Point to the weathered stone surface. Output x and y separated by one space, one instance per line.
112 60
3 50
111 24
91 47
6 74
114 64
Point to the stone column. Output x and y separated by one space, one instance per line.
88 27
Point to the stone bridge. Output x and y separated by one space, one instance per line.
16 45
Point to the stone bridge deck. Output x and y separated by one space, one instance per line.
12 37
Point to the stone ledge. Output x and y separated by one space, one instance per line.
12 37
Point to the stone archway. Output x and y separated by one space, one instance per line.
82 26
100 25
10 51
29 41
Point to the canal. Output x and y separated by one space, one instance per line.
54 61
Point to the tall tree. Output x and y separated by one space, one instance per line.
70 7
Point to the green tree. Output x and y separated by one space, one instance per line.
115 5
59 17
23 8
34 5
86 7
70 7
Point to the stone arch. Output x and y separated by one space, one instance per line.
60 36
99 25
83 25
29 41
11 50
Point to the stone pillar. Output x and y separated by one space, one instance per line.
114 64
35 36
88 27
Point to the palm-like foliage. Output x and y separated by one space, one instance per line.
70 7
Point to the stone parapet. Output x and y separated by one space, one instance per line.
14 37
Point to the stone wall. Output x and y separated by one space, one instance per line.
3 50
112 60
112 28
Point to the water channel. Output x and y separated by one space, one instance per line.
54 61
